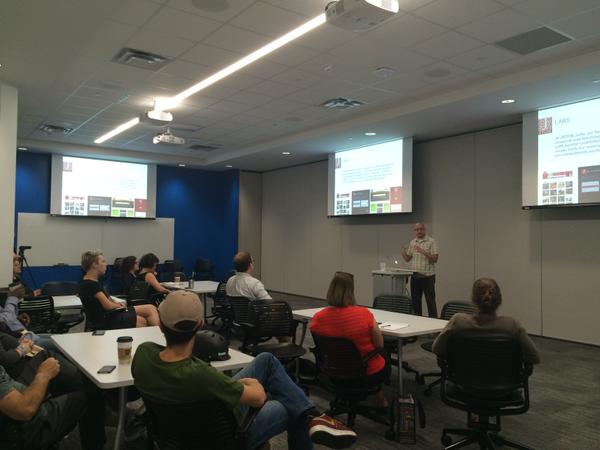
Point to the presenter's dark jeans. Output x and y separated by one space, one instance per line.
420 285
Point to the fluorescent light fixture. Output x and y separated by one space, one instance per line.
286 153
370 133
181 165
229 166
246 60
22 148
165 105
389 5
508 101
596 81
119 129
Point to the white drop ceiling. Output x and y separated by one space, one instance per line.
58 55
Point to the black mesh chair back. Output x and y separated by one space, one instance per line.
41 312
172 265
56 288
221 306
338 359
271 318
193 426
394 303
117 264
204 269
484 365
452 307
241 309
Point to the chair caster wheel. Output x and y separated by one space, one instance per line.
446 440
427 392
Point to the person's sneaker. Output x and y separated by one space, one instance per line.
330 432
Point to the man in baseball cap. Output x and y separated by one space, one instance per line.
172 374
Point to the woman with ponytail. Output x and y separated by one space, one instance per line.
487 298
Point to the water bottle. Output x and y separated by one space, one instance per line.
191 281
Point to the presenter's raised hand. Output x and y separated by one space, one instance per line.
420 250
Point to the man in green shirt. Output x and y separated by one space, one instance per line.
171 373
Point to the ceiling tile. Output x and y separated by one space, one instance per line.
447 45
161 43
182 25
291 55
106 41
309 97
366 52
402 84
297 77
264 68
267 19
230 106
135 12
325 38
210 56
233 8
273 88
285 105
308 8
264 113
580 26
410 5
482 57
240 80
185 69
433 73
244 119
551 10
372 95
454 13
251 98
499 26
236 40
407 31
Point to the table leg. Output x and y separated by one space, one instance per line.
400 387
121 420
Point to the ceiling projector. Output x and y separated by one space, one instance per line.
168 138
360 15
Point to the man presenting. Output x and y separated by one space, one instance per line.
423 254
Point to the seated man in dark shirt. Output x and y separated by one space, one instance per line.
42 420
171 373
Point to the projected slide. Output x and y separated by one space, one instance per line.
569 154
92 187
368 180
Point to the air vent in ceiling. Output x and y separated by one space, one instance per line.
532 41
54 129
341 103
205 147
140 59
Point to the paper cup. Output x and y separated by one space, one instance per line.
124 344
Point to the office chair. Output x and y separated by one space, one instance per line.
484 375
41 312
398 304
109 319
196 425
221 309
56 288
204 269
448 310
343 372
271 319
172 265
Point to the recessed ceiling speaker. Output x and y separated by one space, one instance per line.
211 5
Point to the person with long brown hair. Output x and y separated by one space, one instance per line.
487 297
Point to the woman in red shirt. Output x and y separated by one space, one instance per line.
343 318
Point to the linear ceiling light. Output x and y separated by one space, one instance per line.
119 129
169 103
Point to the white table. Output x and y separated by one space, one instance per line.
67 302
89 353
200 287
392 281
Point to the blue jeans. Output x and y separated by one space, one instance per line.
284 407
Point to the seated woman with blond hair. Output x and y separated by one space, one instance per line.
344 319
487 298
98 304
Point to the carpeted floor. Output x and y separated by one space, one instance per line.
564 413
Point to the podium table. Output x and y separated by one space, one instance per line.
391 282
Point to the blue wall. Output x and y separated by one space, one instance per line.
204 205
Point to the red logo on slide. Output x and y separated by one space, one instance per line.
545 125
